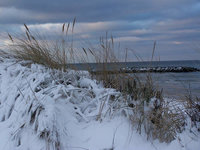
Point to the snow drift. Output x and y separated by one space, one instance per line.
41 108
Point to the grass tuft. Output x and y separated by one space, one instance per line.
37 48
150 113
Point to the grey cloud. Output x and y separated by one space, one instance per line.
173 23
99 10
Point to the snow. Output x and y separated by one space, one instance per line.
41 109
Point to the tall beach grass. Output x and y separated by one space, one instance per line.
159 122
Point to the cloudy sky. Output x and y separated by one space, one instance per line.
136 24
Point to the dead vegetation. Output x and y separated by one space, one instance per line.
192 105
150 113
37 48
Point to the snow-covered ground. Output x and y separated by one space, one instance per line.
44 109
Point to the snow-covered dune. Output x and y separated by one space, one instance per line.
44 109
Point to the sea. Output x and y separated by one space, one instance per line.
174 85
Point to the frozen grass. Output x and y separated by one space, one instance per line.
42 108
140 101
192 105
40 102
150 113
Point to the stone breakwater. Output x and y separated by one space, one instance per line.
148 69
146 66
160 69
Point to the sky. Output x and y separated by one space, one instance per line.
135 24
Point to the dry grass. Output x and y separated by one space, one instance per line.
151 113
192 105
130 84
159 122
37 48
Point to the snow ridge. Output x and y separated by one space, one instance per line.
45 109
38 101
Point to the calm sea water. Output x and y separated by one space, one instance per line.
177 85
173 84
